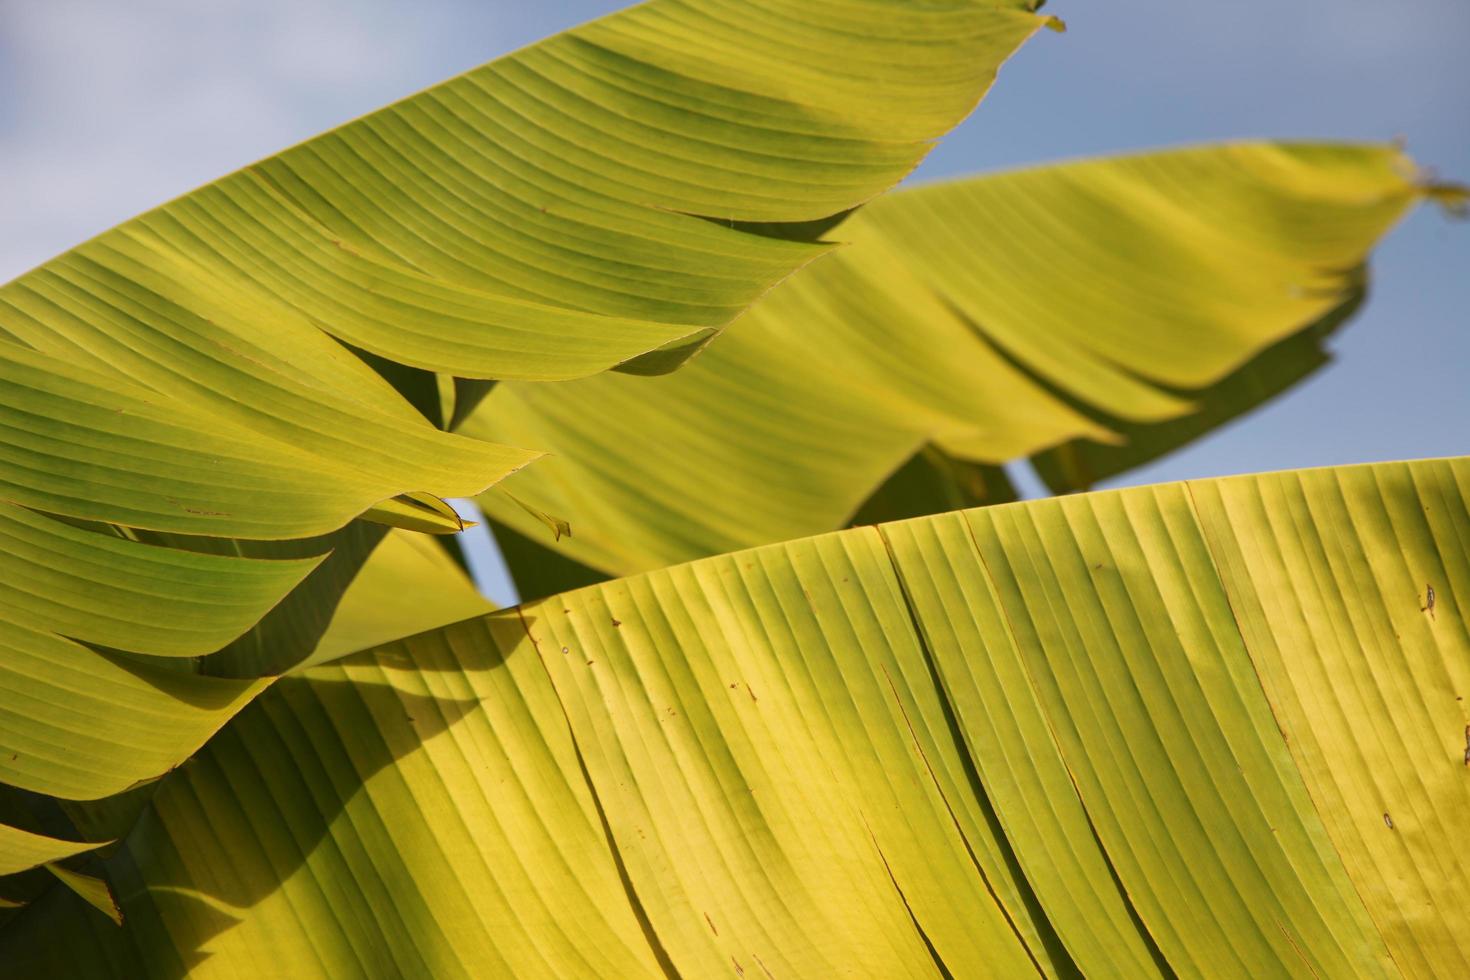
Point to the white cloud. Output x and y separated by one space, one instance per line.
111 108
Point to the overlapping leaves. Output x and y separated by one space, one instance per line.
1204 729
1038 739
1098 312
196 404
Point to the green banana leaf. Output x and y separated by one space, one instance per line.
21 850
196 406
409 585
1210 729
559 212
93 891
1130 302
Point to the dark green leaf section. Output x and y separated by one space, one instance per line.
1137 733
537 569
932 482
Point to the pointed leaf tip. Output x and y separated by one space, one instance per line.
559 526
94 891
1453 199
422 512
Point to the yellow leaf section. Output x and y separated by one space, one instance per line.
1360 634
541 217
420 512
196 371
415 812
408 585
993 317
129 595
1220 251
1006 731
1118 613
796 749
88 444
1103 735
21 850
82 724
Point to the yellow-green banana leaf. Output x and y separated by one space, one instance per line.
221 370
1210 729
1125 302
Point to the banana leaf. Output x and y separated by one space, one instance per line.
1100 311
198 406
1209 729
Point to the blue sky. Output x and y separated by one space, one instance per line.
108 108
